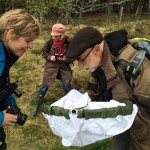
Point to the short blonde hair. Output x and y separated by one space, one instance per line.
21 22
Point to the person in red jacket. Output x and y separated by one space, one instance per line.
56 65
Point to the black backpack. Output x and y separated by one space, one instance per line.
116 40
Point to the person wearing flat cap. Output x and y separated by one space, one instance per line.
56 65
101 57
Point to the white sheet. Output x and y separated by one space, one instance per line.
81 132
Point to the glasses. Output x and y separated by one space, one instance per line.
82 59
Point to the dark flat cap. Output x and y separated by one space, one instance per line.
82 40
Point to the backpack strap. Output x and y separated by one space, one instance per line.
141 39
131 70
2 58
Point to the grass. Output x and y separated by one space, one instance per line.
28 73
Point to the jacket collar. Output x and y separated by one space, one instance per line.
127 53
109 68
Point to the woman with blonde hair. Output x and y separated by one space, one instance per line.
18 30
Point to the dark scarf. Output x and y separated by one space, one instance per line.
59 45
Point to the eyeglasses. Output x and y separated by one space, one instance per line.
82 59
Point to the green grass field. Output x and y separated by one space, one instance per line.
28 73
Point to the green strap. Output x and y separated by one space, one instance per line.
88 114
131 70
133 67
107 112
55 110
139 39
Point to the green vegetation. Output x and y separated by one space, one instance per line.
28 73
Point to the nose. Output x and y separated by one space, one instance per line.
30 45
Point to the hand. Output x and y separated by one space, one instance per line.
92 95
62 58
82 90
53 58
9 118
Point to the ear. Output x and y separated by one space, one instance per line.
97 50
10 34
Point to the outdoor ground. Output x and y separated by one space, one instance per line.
28 73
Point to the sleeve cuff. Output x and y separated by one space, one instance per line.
1 117
49 57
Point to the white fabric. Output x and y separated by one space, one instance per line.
81 132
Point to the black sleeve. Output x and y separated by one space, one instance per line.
46 49
69 60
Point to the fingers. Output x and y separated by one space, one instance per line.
12 118
53 58
61 59
9 123
9 118
4 111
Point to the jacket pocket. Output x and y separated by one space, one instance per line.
140 129
120 92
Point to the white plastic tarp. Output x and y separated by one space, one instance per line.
80 132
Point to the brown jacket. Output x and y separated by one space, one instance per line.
139 133
56 69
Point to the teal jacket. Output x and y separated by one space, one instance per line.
11 99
